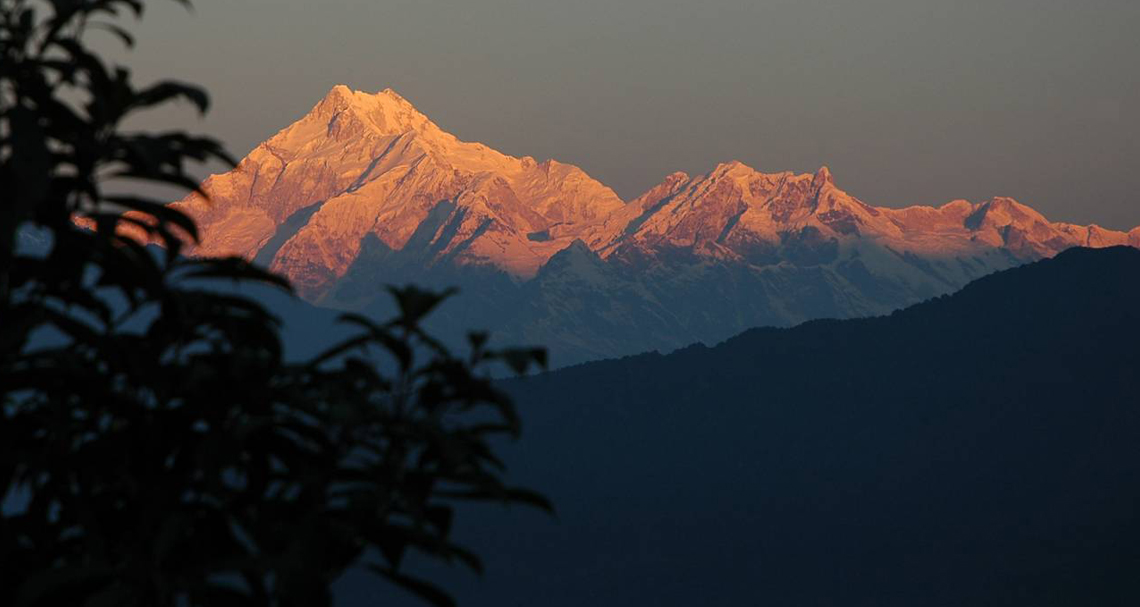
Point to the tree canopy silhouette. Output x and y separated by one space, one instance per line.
155 446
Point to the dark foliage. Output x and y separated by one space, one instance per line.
979 449
155 449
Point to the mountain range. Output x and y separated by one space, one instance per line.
979 448
365 190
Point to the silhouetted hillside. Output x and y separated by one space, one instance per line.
977 449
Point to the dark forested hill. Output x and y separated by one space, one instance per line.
981 448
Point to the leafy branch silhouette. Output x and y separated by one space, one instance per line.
155 446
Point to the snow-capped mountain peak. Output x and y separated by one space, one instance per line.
386 112
362 163
365 189
823 177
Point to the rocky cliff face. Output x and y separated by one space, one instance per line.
365 190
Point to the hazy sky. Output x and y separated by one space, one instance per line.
908 101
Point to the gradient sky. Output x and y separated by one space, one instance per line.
908 102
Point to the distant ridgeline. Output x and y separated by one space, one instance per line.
981 448
365 190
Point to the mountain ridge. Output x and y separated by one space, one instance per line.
352 119
695 258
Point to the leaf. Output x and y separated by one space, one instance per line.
503 494
415 303
520 359
233 268
31 162
219 594
477 340
43 584
400 349
170 90
123 35
159 211
392 546
113 595
418 587
440 517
